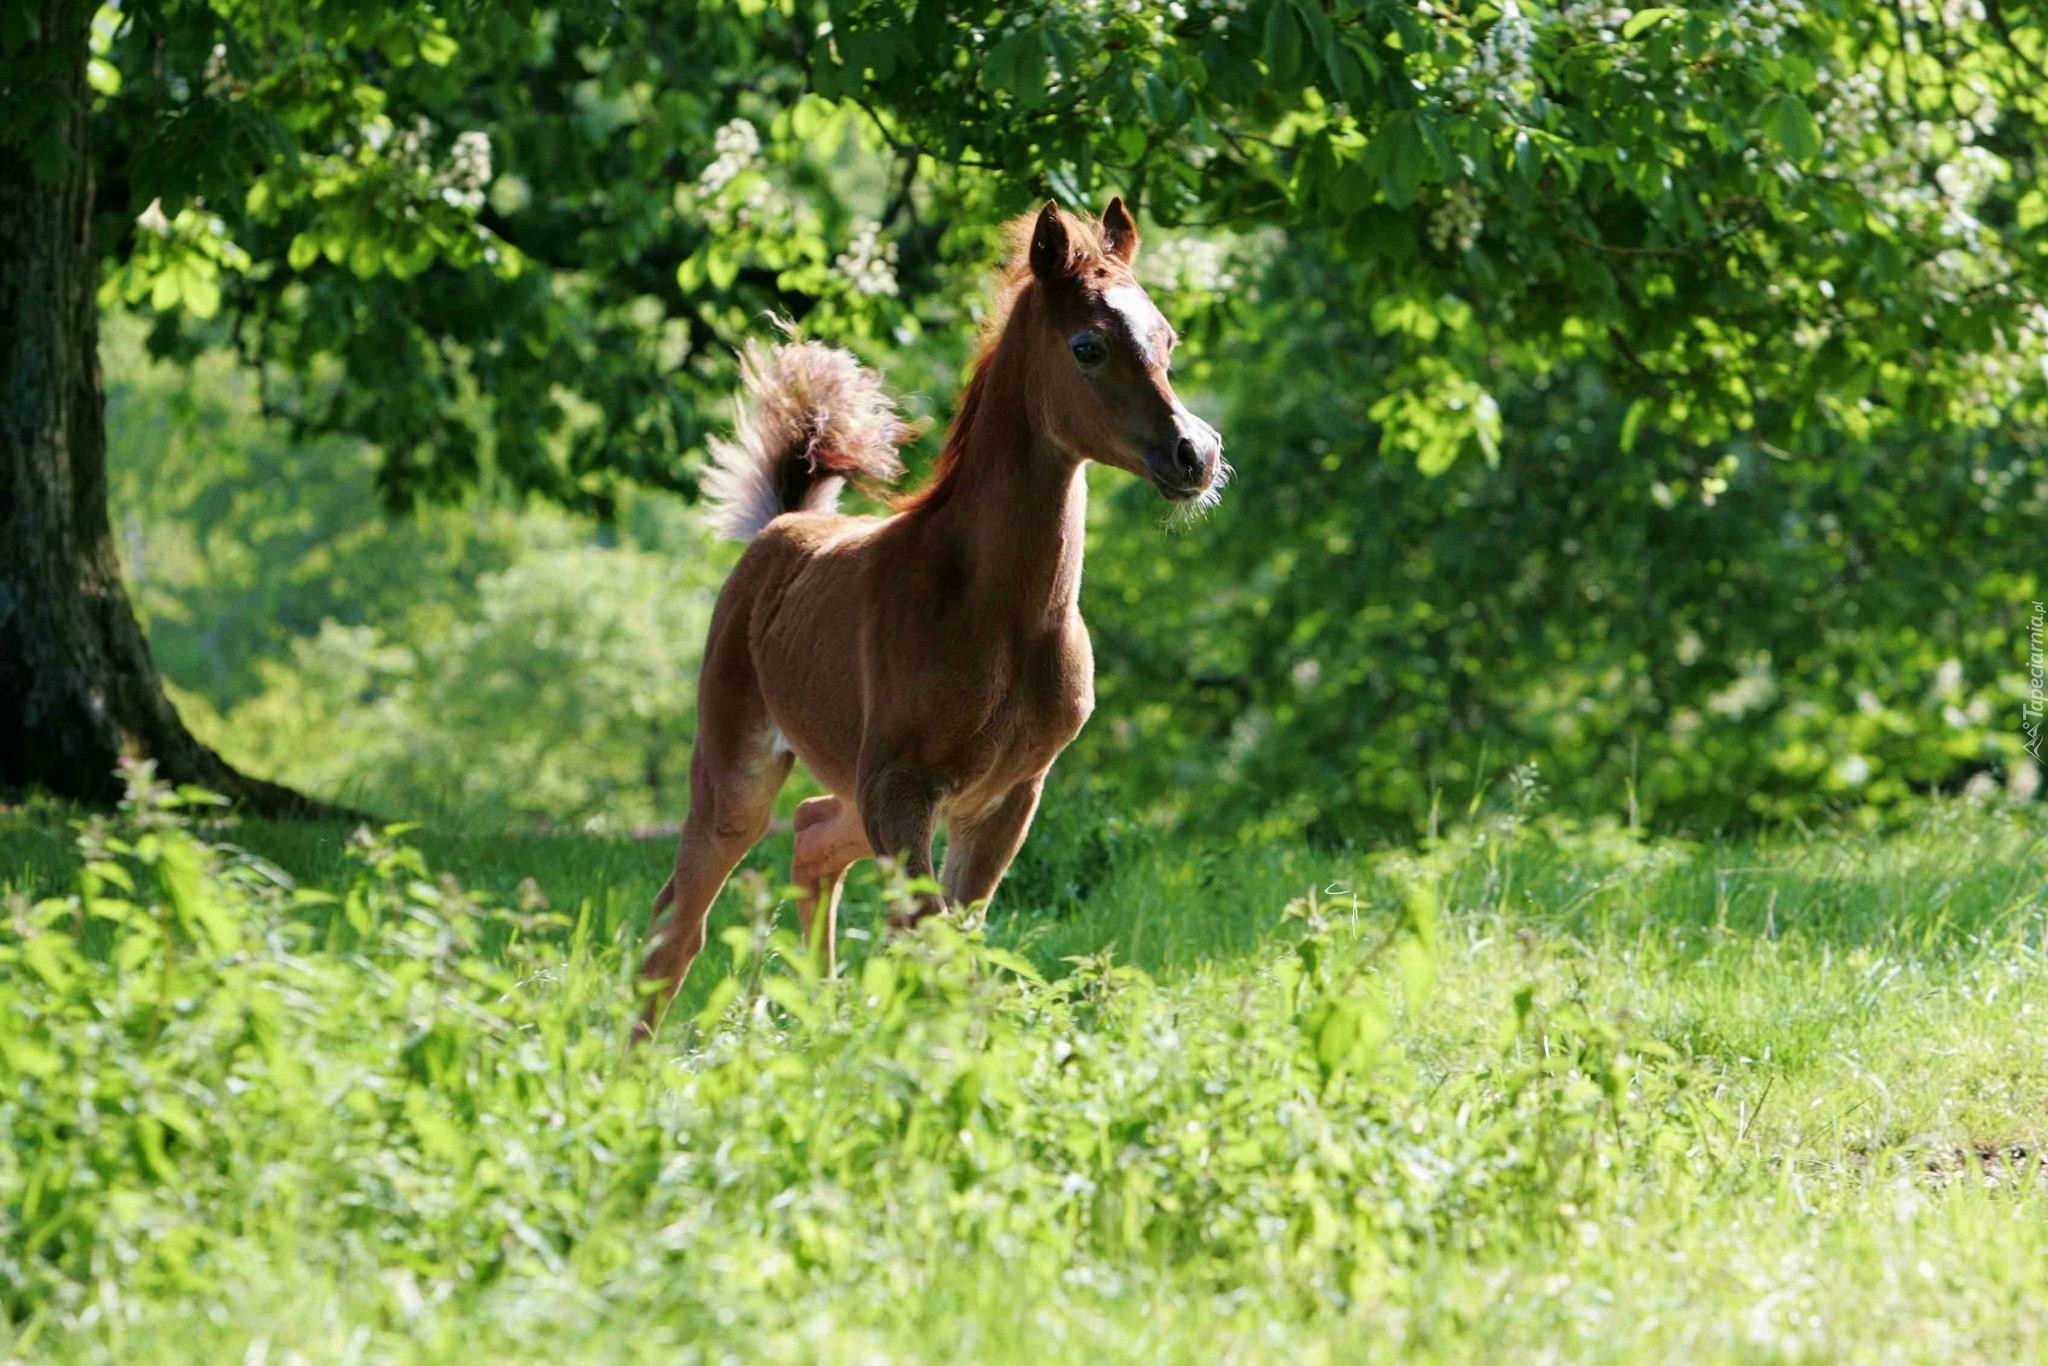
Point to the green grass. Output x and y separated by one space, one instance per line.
1536 1089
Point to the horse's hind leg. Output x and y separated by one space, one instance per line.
734 776
829 840
729 812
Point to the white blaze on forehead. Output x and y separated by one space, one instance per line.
1141 320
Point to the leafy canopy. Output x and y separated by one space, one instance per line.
519 240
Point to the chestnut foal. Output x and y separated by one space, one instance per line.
928 666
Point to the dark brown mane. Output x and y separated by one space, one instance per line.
1087 259
947 467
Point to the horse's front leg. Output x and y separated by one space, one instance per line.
982 849
898 809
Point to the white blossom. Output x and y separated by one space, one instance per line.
869 262
1754 687
462 181
469 160
738 145
1949 14
1599 21
1458 219
1501 69
1761 24
1191 264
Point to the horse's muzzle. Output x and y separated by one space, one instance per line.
1185 467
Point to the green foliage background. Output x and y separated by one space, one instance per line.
1353 643
1648 395
1346 647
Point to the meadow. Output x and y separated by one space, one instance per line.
1536 1089
1650 398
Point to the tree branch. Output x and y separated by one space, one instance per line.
1995 12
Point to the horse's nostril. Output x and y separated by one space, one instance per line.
1185 456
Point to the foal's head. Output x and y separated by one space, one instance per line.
1100 353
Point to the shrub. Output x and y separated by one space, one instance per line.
399 1109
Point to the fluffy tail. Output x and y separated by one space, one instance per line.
808 418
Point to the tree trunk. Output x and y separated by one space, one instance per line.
78 690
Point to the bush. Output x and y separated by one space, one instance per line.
1701 637
397 1110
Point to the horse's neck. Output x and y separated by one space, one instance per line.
1019 515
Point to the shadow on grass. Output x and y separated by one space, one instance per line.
1088 884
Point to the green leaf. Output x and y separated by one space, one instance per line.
1486 428
1417 966
20 25
878 980
112 874
1435 453
1418 952
723 993
1406 314
1345 75
1643 20
1281 48
178 1117
1016 65
201 289
365 257
2032 209
149 1140
438 49
181 875
1401 157
1632 424
438 1137
1345 1034
1013 963
29 1059
1320 29
793 998
50 957
1787 122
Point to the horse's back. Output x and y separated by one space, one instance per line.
809 533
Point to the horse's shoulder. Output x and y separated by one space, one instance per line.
1067 674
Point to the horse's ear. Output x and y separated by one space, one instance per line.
1120 231
1049 244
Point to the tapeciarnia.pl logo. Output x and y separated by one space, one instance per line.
2037 698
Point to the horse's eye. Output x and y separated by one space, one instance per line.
1088 350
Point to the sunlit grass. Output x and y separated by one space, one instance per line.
1538 1088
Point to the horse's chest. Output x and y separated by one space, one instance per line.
1036 712
1047 712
